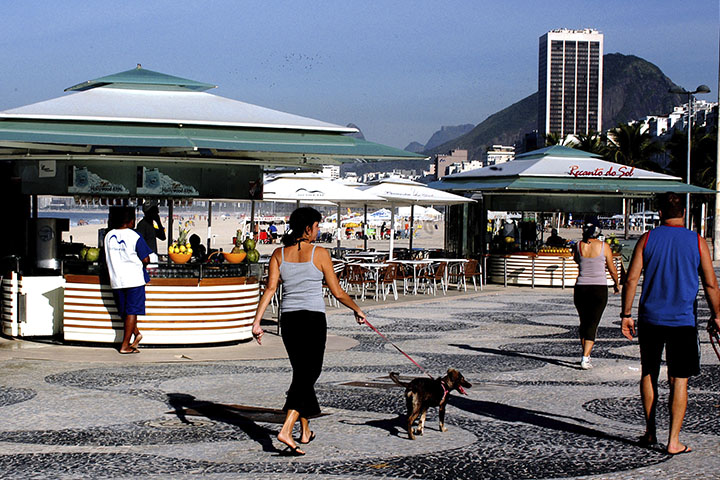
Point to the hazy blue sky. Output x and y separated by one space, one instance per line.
397 69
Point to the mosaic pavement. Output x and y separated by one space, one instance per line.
531 414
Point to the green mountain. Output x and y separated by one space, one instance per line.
633 88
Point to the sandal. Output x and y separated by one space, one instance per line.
312 437
292 451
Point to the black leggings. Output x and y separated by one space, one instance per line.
304 333
590 301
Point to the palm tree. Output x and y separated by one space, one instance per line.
591 142
702 160
552 138
629 145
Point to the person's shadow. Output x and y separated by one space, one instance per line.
509 353
218 412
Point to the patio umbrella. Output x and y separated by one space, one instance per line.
316 190
401 191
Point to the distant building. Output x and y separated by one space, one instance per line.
463 167
444 160
570 82
498 154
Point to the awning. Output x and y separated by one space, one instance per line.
538 185
21 136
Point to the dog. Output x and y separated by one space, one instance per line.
423 393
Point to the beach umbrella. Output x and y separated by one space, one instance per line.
315 189
402 192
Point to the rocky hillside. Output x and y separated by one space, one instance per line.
633 88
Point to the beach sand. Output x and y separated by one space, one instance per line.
224 229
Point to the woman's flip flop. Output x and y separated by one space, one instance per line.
312 437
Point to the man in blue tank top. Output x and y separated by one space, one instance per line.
671 257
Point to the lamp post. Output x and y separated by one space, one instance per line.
682 91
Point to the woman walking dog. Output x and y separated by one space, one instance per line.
302 267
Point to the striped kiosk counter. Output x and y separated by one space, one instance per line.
532 269
179 311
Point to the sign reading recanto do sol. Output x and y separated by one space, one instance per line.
622 171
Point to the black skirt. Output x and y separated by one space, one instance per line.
304 333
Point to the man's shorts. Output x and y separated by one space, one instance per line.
682 349
130 301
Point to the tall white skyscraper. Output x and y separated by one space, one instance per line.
570 82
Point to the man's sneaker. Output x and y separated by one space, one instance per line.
586 365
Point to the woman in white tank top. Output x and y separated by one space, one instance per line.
302 267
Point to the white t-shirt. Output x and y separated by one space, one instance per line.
124 249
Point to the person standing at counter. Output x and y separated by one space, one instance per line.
150 227
302 267
591 292
126 255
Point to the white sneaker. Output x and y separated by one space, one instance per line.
585 364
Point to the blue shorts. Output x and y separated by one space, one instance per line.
130 301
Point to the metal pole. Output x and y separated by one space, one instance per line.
412 229
689 143
251 234
365 229
209 231
716 221
170 221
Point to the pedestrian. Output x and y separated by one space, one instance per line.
151 228
126 255
591 292
671 258
272 229
302 268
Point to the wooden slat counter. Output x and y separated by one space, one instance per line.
177 310
549 270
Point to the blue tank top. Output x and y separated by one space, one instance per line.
671 259
302 285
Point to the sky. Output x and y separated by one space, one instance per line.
397 69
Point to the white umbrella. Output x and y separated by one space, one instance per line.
317 190
400 191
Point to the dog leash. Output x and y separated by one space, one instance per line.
715 342
398 348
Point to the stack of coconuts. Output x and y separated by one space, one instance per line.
248 246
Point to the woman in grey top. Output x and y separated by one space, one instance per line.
591 293
302 267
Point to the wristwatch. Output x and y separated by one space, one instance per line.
625 315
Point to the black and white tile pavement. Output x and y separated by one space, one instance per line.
531 414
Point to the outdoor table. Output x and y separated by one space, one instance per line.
415 264
450 261
374 269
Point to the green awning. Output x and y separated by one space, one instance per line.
540 185
47 135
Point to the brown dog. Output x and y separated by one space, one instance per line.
423 393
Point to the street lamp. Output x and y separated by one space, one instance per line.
682 91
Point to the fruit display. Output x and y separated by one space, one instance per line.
554 250
248 246
614 243
180 250
91 254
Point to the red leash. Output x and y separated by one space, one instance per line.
715 342
398 349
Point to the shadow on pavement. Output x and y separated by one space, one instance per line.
185 404
509 353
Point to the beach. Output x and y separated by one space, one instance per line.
224 228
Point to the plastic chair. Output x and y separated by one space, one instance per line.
387 279
430 277
355 275
472 271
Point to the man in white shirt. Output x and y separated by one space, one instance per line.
126 255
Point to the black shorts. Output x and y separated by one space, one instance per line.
682 350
